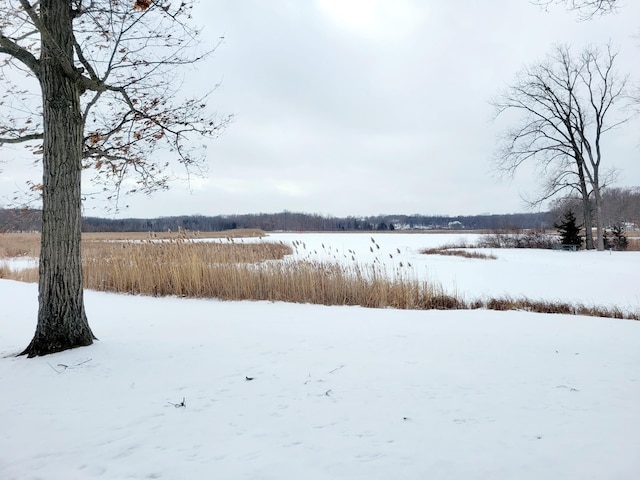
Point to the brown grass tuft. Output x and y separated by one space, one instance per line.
563 308
454 250
5 272
633 243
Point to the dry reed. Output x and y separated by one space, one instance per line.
14 245
231 270
633 244
455 250
5 272
545 306
178 267
169 235
234 270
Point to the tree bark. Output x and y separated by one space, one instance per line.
586 208
62 322
599 221
587 217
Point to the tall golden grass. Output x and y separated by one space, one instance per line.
234 270
633 242
28 244
176 267
14 245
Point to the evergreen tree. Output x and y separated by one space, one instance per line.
569 229
620 241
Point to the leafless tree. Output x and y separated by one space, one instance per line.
586 8
564 106
110 103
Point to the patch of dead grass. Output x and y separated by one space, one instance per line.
169 235
14 245
456 250
557 307
633 243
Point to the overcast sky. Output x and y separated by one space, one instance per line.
358 107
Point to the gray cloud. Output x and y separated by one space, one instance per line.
362 114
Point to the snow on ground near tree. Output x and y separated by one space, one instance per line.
337 392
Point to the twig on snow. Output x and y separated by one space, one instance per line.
571 389
178 405
64 366
53 368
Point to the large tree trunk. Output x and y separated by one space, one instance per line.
599 219
588 222
586 204
62 322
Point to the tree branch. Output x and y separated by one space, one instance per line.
125 62
586 9
10 47
62 57
21 139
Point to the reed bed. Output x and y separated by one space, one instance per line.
5 272
460 249
452 251
565 308
289 281
182 267
172 235
633 242
14 245
233 270
252 271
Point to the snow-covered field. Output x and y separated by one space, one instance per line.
337 392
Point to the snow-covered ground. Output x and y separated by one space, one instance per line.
336 392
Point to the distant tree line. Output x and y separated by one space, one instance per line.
29 220
621 206
291 221
20 220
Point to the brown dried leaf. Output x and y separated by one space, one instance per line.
141 5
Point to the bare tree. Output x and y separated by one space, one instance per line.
564 106
586 8
109 104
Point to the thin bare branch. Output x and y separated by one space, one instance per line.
21 139
586 9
